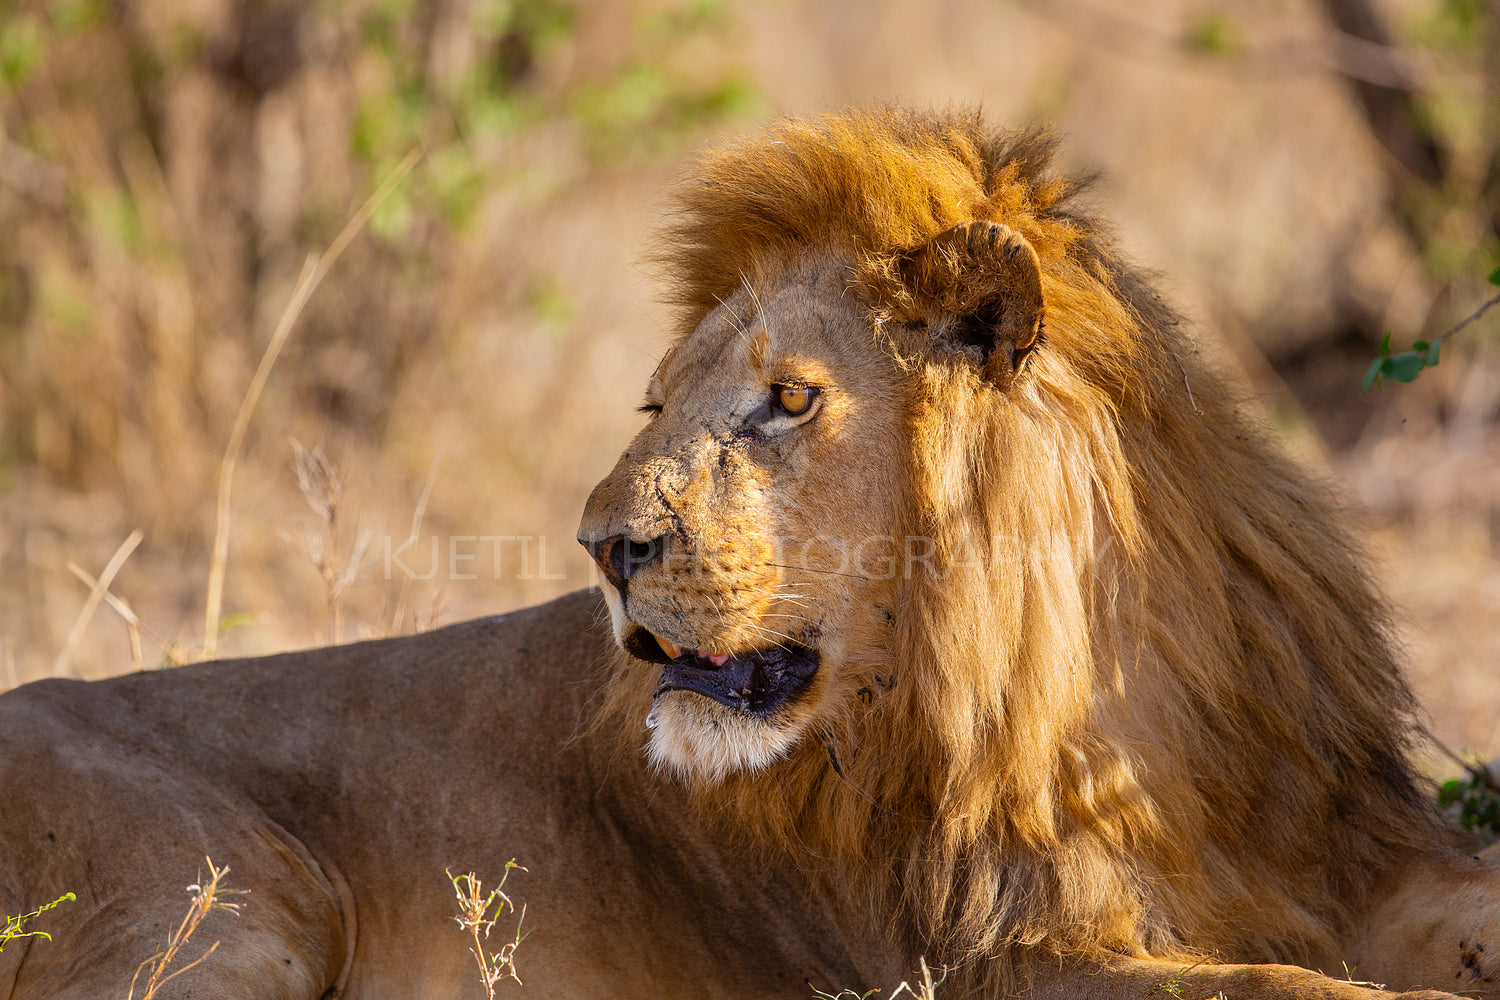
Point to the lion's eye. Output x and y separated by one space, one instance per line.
794 399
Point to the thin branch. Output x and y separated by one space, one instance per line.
475 917
132 620
205 901
1469 319
95 596
1478 771
312 274
399 615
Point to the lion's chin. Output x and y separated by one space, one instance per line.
700 740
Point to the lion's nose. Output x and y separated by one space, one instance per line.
619 557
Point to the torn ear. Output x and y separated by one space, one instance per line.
979 285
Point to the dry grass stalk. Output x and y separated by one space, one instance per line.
133 624
1349 978
399 615
321 487
8 660
205 901
312 274
926 988
86 613
474 908
437 610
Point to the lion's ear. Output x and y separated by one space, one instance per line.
979 285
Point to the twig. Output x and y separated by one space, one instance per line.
312 274
1173 986
474 909
1468 319
928 984
6 658
1349 978
1479 771
319 483
1186 385
132 621
205 900
95 595
416 528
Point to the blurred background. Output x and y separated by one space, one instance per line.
1306 174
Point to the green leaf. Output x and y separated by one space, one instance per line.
1385 343
1495 276
239 619
1403 367
1373 374
1419 346
1431 357
1213 34
22 46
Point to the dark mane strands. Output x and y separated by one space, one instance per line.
1167 718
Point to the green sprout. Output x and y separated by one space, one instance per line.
1405 366
15 927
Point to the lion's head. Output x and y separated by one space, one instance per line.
941 555
759 534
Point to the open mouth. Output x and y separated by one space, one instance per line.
758 682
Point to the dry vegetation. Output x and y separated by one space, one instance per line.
478 912
208 896
174 179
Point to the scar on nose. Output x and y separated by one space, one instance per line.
678 527
758 345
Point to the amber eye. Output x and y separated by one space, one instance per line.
794 399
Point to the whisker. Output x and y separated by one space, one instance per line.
771 631
773 642
830 572
756 299
739 324
802 600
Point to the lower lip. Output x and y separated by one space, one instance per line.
758 683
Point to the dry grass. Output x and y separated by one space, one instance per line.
478 913
96 594
926 988
207 897
336 563
135 628
313 272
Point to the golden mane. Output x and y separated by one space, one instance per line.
1163 693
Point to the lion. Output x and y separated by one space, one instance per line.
950 610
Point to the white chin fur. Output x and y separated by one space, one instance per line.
698 739
616 607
